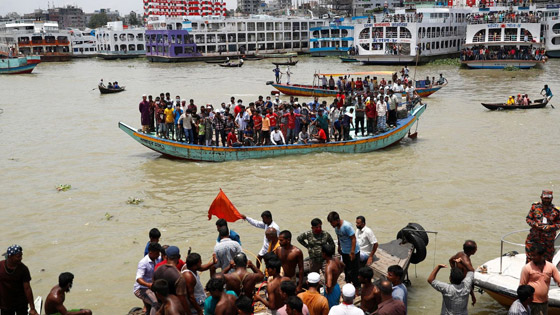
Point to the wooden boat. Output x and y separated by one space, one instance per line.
232 65
540 103
220 154
501 63
348 59
284 55
216 61
287 63
106 90
316 90
500 278
18 65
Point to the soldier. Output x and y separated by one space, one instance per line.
313 240
544 220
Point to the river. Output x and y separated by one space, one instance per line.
470 174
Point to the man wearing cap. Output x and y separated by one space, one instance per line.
144 108
15 290
317 304
347 307
544 220
169 272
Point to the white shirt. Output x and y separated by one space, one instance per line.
145 271
344 309
381 108
277 136
366 239
262 225
410 91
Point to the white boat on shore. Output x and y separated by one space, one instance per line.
500 276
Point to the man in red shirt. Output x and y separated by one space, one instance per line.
291 134
371 115
232 140
272 117
320 136
257 123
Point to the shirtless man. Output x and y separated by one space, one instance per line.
54 304
226 302
241 281
469 249
195 290
333 269
170 304
275 300
291 257
370 293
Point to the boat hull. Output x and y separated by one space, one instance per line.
105 90
222 154
553 53
501 64
19 70
310 91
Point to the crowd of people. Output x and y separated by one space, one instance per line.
168 285
368 106
504 17
110 85
502 53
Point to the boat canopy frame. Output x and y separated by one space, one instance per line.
503 240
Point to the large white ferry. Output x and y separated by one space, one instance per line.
336 38
35 38
84 44
197 38
413 35
116 41
551 29
500 37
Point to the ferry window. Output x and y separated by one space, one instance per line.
241 37
116 47
165 49
116 36
377 32
343 33
296 45
511 34
494 34
177 50
304 44
437 45
148 49
556 41
446 44
526 36
428 46
123 47
269 26
260 26
365 33
165 39
365 46
391 32
188 50
140 47
131 47
405 33
479 36
335 33
278 46
423 46
377 46
429 32
173 39
288 45
269 46
344 43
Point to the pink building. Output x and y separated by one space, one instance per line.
179 8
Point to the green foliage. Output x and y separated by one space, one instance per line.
134 201
446 62
98 20
63 187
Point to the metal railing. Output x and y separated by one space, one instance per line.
503 240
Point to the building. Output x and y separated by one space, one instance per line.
249 6
68 17
112 16
179 8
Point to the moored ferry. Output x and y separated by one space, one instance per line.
212 37
551 29
30 37
500 37
18 65
334 39
84 44
412 35
117 41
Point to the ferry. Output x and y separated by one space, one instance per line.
411 35
117 41
30 37
500 37
196 38
84 44
334 39
551 29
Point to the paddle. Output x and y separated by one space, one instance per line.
548 100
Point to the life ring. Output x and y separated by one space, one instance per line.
418 231
419 250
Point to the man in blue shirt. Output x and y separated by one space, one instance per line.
547 92
347 247
232 234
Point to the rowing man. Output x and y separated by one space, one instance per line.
547 92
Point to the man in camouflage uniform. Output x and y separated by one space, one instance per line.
313 240
544 220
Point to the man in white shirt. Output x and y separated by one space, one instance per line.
347 307
524 297
277 138
366 240
266 222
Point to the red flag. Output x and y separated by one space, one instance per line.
223 208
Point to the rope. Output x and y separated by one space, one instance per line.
256 258
435 250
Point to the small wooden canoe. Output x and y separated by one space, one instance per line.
287 63
232 65
540 103
106 90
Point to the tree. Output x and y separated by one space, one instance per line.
98 20
133 20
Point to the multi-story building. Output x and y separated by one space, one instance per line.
180 8
249 6
67 17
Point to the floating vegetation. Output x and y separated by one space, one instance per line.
134 201
64 187
511 68
108 216
446 62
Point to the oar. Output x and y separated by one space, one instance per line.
548 100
